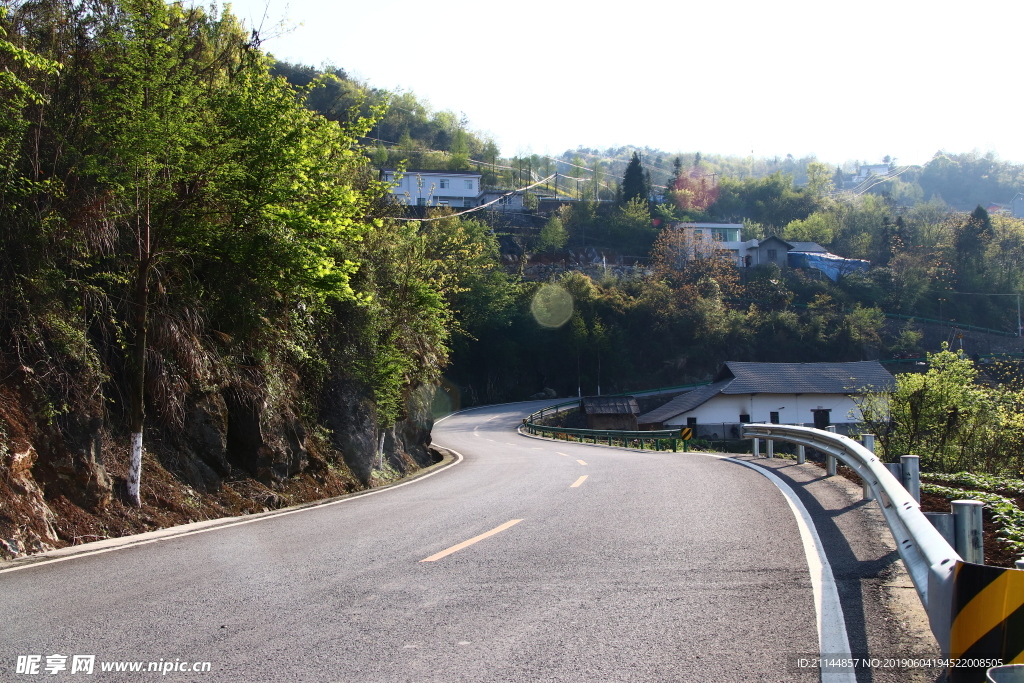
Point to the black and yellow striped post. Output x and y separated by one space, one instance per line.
988 620
685 434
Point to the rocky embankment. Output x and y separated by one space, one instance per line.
62 478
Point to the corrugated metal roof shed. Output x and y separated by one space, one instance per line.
610 405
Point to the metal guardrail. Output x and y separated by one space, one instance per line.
951 323
576 402
929 559
895 316
670 435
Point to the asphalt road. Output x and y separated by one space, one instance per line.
655 567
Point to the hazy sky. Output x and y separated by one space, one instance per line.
850 80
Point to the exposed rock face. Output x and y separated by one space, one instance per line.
54 487
72 460
350 416
411 436
270 445
206 432
26 521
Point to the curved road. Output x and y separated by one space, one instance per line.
654 567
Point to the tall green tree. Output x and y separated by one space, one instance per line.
635 183
149 111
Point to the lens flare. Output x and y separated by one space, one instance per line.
551 306
446 399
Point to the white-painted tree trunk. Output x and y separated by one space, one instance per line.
380 451
135 470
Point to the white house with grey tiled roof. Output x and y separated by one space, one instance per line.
787 393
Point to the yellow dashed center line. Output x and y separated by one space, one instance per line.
566 455
579 481
581 462
475 539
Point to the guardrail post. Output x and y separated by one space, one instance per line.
801 454
968 530
770 450
868 441
912 475
895 469
865 490
830 460
757 447
944 523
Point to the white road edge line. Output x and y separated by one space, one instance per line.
832 638
263 517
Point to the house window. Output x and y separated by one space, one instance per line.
773 254
422 201
467 202
744 418
691 422
469 184
444 183
774 417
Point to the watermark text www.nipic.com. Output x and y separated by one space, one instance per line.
87 664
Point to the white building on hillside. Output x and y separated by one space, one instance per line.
724 236
811 394
456 189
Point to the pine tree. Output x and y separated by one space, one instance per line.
634 181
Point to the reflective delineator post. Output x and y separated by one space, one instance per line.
967 530
911 475
801 455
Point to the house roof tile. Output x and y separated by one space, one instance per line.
805 378
683 403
